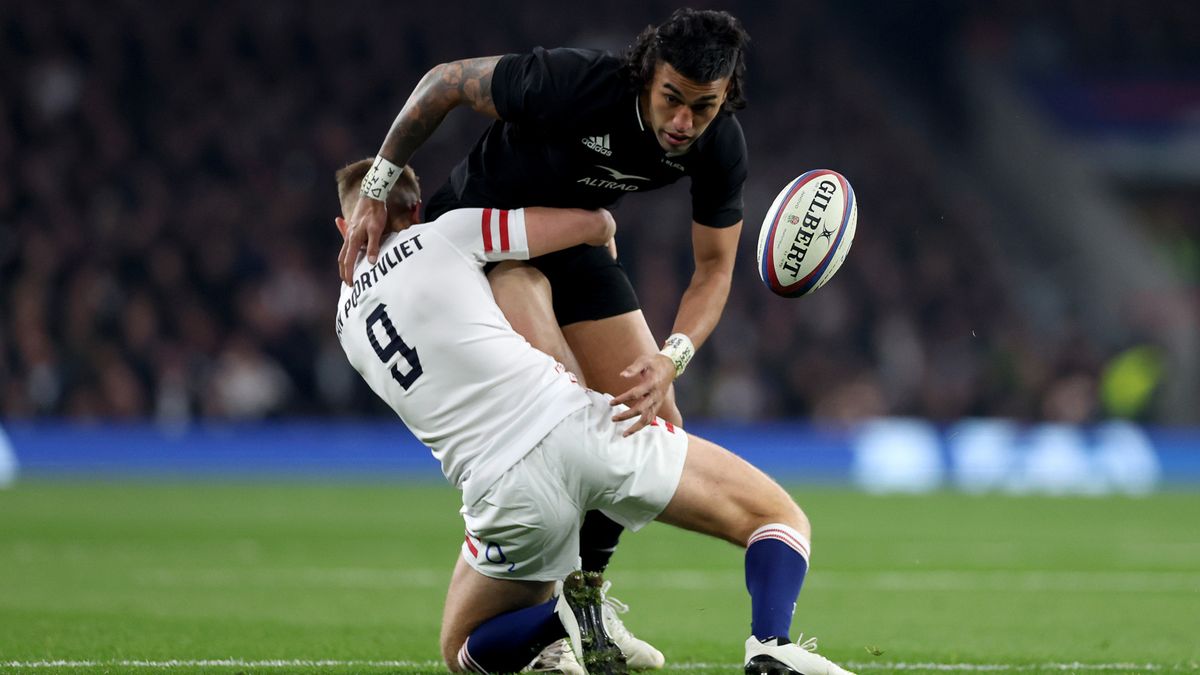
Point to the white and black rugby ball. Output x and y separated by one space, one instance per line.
807 233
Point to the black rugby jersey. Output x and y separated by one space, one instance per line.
571 135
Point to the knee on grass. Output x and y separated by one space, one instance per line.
450 647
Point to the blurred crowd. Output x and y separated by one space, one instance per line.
167 248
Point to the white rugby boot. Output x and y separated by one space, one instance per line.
557 657
639 654
772 658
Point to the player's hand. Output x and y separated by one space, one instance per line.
365 228
652 375
612 228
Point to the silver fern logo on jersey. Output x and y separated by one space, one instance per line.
599 144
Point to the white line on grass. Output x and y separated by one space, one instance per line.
1005 581
1005 667
326 663
223 663
1029 581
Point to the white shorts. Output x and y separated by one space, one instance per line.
526 526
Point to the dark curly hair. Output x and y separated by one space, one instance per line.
703 45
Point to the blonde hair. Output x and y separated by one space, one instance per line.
404 195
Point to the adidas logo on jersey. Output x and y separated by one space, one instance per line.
599 144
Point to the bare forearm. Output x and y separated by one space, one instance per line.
549 229
445 87
700 309
702 305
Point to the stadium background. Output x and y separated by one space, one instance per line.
1019 312
167 206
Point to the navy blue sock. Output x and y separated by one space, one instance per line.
508 642
776 562
598 540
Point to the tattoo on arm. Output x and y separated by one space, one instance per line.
447 86
473 80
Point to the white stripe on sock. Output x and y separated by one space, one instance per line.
783 533
466 662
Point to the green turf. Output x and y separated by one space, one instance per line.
245 574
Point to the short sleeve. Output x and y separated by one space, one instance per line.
717 183
486 235
552 86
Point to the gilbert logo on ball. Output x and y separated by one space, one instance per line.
807 233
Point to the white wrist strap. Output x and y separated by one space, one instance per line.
680 350
380 179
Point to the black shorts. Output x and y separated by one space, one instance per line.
587 284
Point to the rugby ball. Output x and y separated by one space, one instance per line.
807 233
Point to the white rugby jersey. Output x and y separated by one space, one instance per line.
422 327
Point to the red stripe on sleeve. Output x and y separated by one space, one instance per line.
487 230
504 231
471 547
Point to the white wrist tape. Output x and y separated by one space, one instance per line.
380 179
680 350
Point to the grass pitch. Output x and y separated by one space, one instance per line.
270 578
